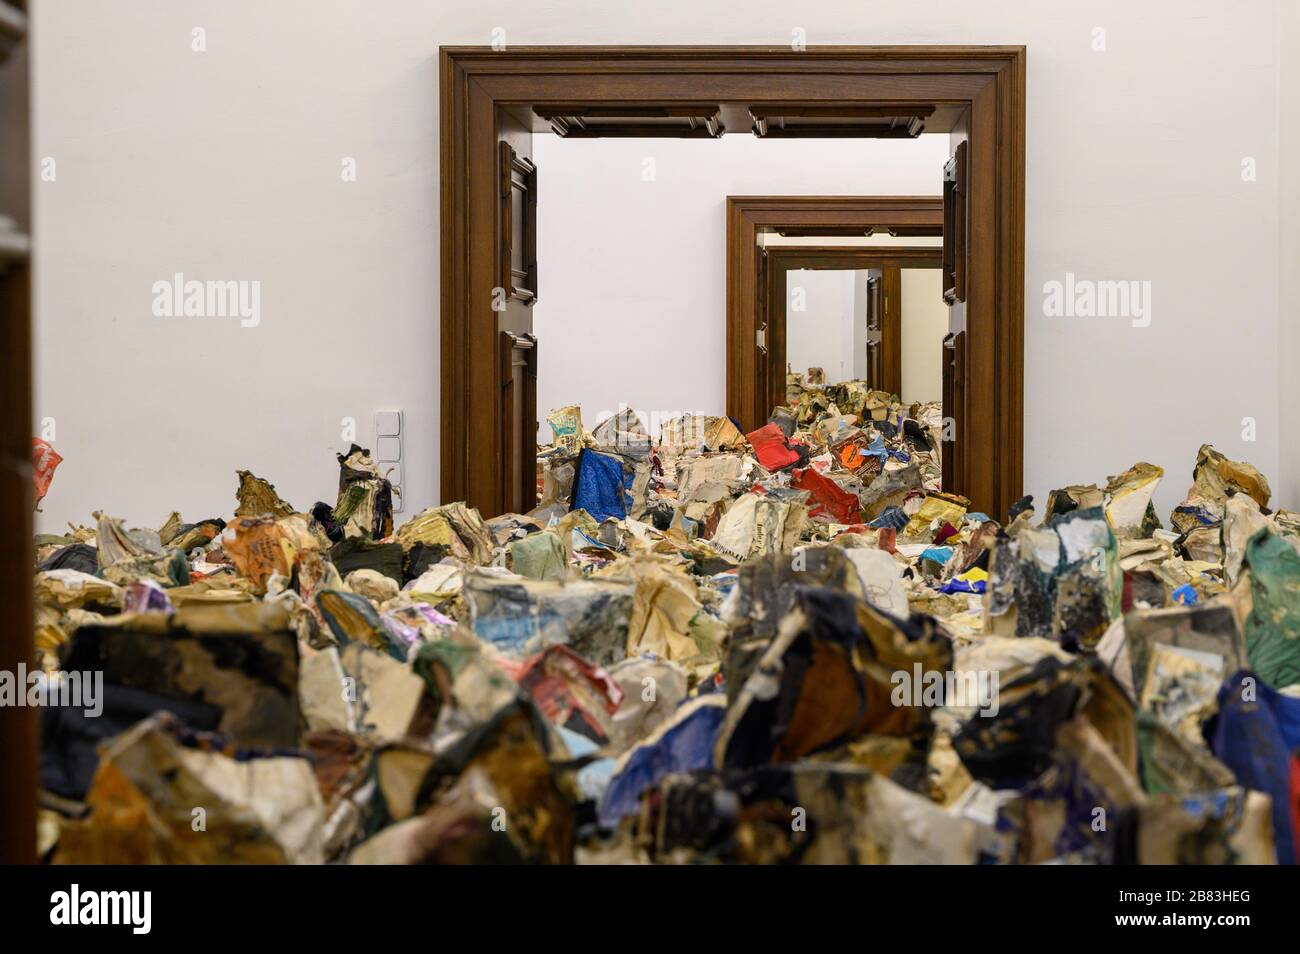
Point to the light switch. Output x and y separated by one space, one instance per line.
388 448
392 470
388 423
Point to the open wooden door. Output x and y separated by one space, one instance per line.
951 461
891 330
885 329
516 293
518 357
766 369
875 328
956 216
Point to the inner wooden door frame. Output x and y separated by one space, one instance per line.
783 259
479 85
750 399
752 384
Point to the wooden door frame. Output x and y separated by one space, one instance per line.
782 259
749 397
986 83
19 772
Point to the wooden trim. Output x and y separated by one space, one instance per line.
891 299
749 386
752 393
518 184
954 395
18 724
575 121
875 326
956 208
838 122
915 231
845 257
889 259
518 446
983 85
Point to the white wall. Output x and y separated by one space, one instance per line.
925 323
226 164
821 334
638 315
1288 488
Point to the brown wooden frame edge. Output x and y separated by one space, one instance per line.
987 80
749 399
786 258
18 724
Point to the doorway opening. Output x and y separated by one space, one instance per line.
889 249
843 311
493 103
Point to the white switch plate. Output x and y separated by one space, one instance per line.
388 448
388 423
392 470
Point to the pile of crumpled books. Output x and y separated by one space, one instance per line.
787 646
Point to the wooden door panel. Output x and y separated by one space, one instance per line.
762 358
891 327
875 330
517 245
775 281
515 451
952 453
518 360
956 216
